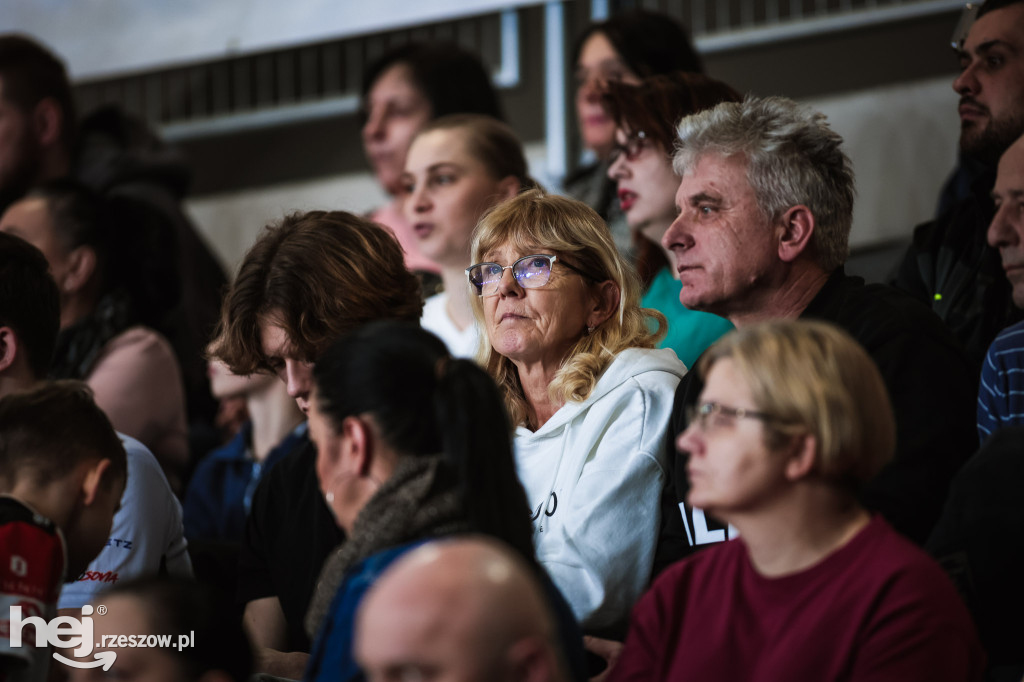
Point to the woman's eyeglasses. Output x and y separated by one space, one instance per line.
530 272
708 416
634 146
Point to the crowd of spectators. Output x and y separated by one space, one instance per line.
653 432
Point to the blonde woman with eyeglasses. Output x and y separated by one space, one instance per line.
793 419
588 393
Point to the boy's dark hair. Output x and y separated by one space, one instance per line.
46 432
177 606
30 73
29 301
319 275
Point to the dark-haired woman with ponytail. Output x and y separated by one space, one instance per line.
412 445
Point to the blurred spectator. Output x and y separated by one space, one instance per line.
627 48
402 91
792 421
147 532
464 610
978 542
646 116
130 367
396 475
766 203
120 158
206 640
949 266
60 488
1001 395
458 167
308 280
220 492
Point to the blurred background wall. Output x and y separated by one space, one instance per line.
262 96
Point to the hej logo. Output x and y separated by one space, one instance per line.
63 632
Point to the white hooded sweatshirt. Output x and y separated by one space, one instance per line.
593 475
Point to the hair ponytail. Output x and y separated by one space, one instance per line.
475 437
395 371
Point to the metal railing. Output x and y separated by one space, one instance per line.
318 81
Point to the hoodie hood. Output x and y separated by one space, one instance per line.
627 365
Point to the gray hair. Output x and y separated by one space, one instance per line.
793 158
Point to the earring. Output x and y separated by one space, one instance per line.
590 330
329 497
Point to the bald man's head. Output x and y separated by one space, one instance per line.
1006 232
464 610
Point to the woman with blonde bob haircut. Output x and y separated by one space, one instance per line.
587 390
794 418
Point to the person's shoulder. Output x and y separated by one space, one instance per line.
148 500
142 338
435 314
294 469
234 450
13 510
141 460
876 313
961 220
640 373
701 568
435 302
33 549
582 180
137 346
648 364
896 564
1011 338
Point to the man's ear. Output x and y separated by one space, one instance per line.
81 268
796 227
802 457
94 479
47 121
606 302
357 444
9 348
529 660
508 188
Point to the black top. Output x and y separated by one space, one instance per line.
977 540
933 392
950 267
288 536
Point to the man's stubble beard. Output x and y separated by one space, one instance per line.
990 142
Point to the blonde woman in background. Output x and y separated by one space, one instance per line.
458 167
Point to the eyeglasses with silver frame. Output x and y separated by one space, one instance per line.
530 272
703 415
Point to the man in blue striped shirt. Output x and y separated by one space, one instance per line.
1001 395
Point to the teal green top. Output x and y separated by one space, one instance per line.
689 331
